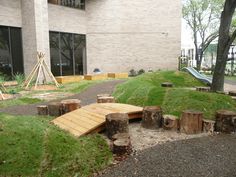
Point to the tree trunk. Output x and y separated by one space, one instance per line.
55 109
152 117
225 121
224 43
70 105
170 123
208 126
191 122
42 110
122 147
117 123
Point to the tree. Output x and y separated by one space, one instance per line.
202 16
226 37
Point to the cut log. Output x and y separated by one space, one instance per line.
106 99
103 95
70 105
225 121
42 110
232 93
122 147
191 122
167 84
152 117
55 109
203 89
117 123
120 136
208 126
170 122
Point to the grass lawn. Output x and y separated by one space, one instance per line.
30 146
146 90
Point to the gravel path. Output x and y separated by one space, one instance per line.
212 156
87 96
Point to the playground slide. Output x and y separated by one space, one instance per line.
198 75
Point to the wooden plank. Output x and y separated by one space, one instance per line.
118 75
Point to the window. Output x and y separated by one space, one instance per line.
11 54
67 53
80 4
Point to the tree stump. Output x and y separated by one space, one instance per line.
106 99
120 136
191 122
208 126
232 93
203 89
225 121
117 123
122 147
70 105
167 84
170 122
42 110
103 95
55 109
152 117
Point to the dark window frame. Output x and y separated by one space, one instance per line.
69 3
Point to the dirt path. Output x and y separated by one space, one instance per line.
206 156
87 96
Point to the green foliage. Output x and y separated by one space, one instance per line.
146 90
20 78
141 71
31 146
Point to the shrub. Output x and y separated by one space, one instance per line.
132 73
141 71
20 78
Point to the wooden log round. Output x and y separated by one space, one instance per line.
70 105
191 122
106 99
170 122
232 93
103 95
152 117
122 147
225 121
42 110
117 123
55 109
203 89
167 84
208 126
120 136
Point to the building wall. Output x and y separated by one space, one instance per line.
65 19
134 34
10 13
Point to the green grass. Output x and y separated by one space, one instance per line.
146 90
19 101
30 146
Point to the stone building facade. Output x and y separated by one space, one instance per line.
112 35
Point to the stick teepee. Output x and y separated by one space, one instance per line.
40 73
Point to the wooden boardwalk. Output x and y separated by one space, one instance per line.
91 118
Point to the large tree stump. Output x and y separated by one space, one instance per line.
42 110
203 89
70 105
167 84
122 146
55 109
191 122
232 93
106 99
170 122
208 126
225 121
152 117
117 123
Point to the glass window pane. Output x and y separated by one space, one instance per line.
16 50
67 49
5 57
79 46
55 55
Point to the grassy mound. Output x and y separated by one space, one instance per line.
30 146
146 90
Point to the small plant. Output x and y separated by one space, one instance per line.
20 78
132 73
2 78
141 71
